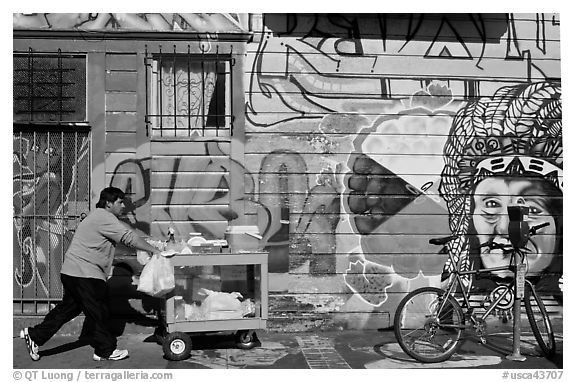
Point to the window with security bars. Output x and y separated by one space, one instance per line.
49 88
189 95
51 171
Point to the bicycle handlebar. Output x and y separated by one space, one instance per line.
535 228
494 245
491 244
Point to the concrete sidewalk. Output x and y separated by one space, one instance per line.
365 349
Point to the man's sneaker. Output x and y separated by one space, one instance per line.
116 355
30 344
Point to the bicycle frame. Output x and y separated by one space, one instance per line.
456 281
429 312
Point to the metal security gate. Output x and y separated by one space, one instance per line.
51 193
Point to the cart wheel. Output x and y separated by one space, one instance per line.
245 339
177 346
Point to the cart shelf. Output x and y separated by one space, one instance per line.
213 293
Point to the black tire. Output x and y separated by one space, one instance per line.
246 339
437 333
539 321
177 346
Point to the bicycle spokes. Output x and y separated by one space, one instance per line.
428 324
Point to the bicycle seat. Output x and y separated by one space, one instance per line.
441 240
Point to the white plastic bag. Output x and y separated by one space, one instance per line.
143 257
221 305
157 277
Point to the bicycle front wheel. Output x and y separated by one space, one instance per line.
539 321
428 325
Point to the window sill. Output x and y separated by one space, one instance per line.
190 139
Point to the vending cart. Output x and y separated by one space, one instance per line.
215 292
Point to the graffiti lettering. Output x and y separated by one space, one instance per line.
45 199
199 22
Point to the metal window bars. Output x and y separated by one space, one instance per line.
51 171
49 87
188 94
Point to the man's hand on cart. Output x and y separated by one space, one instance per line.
146 248
143 257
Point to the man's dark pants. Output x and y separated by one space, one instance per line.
86 295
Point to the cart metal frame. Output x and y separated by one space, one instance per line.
177 343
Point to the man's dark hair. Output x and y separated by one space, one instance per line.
109 194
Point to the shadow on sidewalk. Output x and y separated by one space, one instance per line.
121 290
64 348
204 341
215 341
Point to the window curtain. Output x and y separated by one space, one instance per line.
185 91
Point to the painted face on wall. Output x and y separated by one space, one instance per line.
41 156
490 218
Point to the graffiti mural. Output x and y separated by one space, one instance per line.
334 63
363 136
283 201
191 194
499 151
295 209
47 201
395 208
174 22
375 98
505 151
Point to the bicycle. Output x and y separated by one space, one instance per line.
429 321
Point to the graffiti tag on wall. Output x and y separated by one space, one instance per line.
392 155
174 22
47 202
336 63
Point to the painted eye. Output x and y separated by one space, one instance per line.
492 204
34 148
534 210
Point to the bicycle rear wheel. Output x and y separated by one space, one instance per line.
423 330
539 321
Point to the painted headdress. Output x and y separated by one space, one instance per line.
518 131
